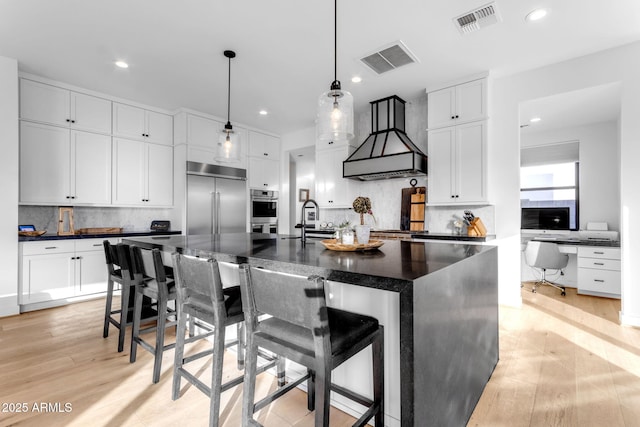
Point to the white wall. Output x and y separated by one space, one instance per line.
599 168
621 65
290 141
9 186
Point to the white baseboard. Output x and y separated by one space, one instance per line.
628 320
9 305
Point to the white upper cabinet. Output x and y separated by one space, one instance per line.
203 132
263 145
457 158
45 103
140 124
332 190
264 174
459 104
142 173
63 166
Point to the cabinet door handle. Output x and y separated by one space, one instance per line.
68 120
266 154
73 121
598 263
598 280
51 247
457 116
598 253
330 142
97 244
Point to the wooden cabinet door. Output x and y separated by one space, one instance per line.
332 190
128 121
44 103
470 162
129 172
90 272
47 277
440 180
471 101
91 174
203 132
264 174
44 164
159 175
441 108
159 128
263 145
90 113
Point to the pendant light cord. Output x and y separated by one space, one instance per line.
229 94
335 40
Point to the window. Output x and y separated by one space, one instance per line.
551 186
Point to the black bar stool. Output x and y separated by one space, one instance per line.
117 272
201 297
153 282
303 329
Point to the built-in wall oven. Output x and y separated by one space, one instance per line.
264 211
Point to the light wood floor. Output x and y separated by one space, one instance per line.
564 361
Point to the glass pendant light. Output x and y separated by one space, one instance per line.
229 141
334 120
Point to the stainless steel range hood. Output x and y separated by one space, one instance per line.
387 152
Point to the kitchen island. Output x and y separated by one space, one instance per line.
441 342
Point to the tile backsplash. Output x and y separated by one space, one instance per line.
130 219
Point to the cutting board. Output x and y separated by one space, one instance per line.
412 208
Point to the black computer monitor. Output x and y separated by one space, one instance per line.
544 219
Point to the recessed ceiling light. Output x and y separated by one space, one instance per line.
536 15
263 112
535 120
122 64
356 79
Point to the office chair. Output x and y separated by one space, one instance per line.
545 256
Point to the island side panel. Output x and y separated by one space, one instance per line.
455 321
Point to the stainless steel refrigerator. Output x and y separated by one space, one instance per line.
216 199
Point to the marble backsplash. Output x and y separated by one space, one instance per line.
386 201
130 219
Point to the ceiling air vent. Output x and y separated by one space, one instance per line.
389 58
478 18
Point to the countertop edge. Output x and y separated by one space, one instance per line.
96 236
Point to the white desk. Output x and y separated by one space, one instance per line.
592 269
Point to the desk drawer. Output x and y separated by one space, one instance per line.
597 252
605 281
599 263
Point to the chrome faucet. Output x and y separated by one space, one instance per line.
303 236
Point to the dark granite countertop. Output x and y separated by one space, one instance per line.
394 265
97 236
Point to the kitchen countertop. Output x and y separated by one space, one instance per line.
446 309
396 263
132 233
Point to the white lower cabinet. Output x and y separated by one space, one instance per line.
599 271
54 270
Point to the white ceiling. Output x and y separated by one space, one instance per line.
285 47
571 109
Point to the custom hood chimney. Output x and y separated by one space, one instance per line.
387 152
